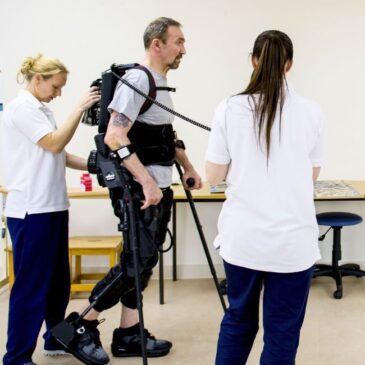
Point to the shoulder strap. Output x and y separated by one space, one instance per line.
166 88
152 90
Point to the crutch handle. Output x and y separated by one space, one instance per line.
190 182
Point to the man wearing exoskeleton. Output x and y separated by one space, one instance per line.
147 146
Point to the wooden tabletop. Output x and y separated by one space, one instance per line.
204 194
179 193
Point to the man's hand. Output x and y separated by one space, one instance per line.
197 179
152 194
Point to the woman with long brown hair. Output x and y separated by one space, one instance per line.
266 143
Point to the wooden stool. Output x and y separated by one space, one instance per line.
110 246
9 252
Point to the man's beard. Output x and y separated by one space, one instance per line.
176 63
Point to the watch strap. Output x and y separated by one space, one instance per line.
179 144
125 151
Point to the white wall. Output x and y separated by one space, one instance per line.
2 252
89 35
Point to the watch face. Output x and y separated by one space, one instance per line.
123 152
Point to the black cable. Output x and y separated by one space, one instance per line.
161 249
162 106
323 236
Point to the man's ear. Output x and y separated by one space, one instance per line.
156 44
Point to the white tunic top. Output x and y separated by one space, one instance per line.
34 177
268 221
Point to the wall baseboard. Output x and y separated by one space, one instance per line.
200 271
183 271
4 282
191 271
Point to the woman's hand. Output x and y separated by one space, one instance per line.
91 97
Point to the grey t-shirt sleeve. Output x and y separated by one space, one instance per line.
125 100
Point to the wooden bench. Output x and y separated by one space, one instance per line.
110 246
9 252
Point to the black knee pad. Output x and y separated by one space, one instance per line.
119 288
145 278
130 298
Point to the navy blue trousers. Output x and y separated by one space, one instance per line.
42 282
284 303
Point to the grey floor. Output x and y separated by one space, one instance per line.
333 332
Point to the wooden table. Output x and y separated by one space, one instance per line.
205 196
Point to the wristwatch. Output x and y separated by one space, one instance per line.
180 144
125 151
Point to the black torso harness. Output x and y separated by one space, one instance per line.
155 143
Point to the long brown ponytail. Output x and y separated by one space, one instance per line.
272 50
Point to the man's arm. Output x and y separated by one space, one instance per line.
189 171
115 138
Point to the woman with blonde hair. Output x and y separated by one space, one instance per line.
37 205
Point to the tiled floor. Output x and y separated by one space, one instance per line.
333 333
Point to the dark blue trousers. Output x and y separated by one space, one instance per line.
42 281
284 303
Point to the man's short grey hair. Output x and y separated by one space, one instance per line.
158 29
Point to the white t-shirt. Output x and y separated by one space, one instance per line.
34 177
268 221
128 102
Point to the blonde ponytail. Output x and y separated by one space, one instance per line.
47 67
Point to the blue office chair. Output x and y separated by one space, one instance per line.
337 220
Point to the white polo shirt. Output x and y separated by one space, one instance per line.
34 177
268 221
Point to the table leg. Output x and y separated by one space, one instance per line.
161 278
174 271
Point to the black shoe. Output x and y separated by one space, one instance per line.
53 348
84 341
127 342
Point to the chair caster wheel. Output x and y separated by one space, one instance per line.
337 294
